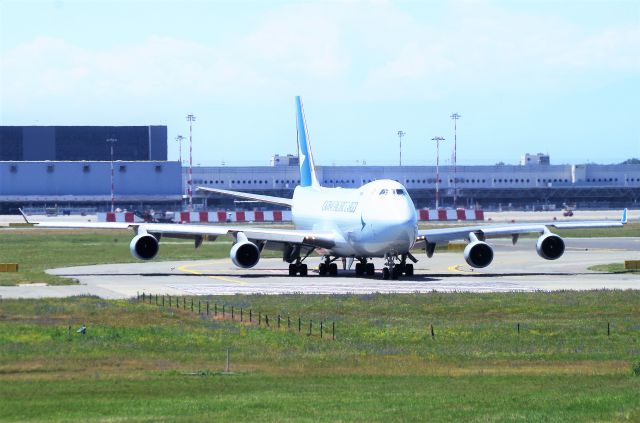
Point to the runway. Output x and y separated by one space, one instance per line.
514 269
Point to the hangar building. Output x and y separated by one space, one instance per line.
68 143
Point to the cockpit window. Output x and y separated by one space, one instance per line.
398 191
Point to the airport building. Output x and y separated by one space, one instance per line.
490 187
69 167
69 143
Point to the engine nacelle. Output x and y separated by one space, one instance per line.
550 246
478 254
144 246
245 254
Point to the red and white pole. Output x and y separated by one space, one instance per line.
111 141
437 140
191 119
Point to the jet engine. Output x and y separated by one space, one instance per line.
478 254
550 246
144 246
244 253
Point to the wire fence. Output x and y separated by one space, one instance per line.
221 311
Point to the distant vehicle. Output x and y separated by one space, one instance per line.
376 220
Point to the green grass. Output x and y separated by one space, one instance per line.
611 268
46 249
147 363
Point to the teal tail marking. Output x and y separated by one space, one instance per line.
307 169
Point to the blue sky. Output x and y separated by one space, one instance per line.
558 77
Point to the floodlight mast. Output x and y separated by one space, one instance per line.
455 117
112 141
191 118
437 140
179 138
400 135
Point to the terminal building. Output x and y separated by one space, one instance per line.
527 186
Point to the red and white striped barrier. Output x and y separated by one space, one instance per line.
426 215
128 217
237 216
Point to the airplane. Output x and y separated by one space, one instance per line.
377 220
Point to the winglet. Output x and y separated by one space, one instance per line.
307 168
24 216
624 217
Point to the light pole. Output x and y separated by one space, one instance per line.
191 119
455 117
437 140
112 141
179 138
400 135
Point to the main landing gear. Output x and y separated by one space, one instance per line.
328 267
393 270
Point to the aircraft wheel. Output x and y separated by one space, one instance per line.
396 272
385 273
408 269
333 269
359 269
303 270
292 269
370 269
322 269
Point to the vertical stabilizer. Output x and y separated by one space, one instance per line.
307 168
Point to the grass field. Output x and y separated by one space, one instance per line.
142 362
46 249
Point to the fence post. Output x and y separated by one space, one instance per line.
518 328
299 324
156 299
143 297
192 304
250 316
137 295
232 316
207 308
184 303
241 317
278 321
333 330
288 322
320 328
163 300
169 301
310 326
259 319
215 309
223 313
266 320
433 335
608 329
199 307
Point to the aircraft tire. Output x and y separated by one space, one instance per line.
333 269
385 273
322 269
292 269
359 269
370 269
396 272
303 270
408 269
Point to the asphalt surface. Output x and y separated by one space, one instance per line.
515 268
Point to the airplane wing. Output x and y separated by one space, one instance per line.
437 236
274 238
246 195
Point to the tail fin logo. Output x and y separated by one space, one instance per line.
307 168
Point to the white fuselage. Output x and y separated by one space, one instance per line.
371 221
